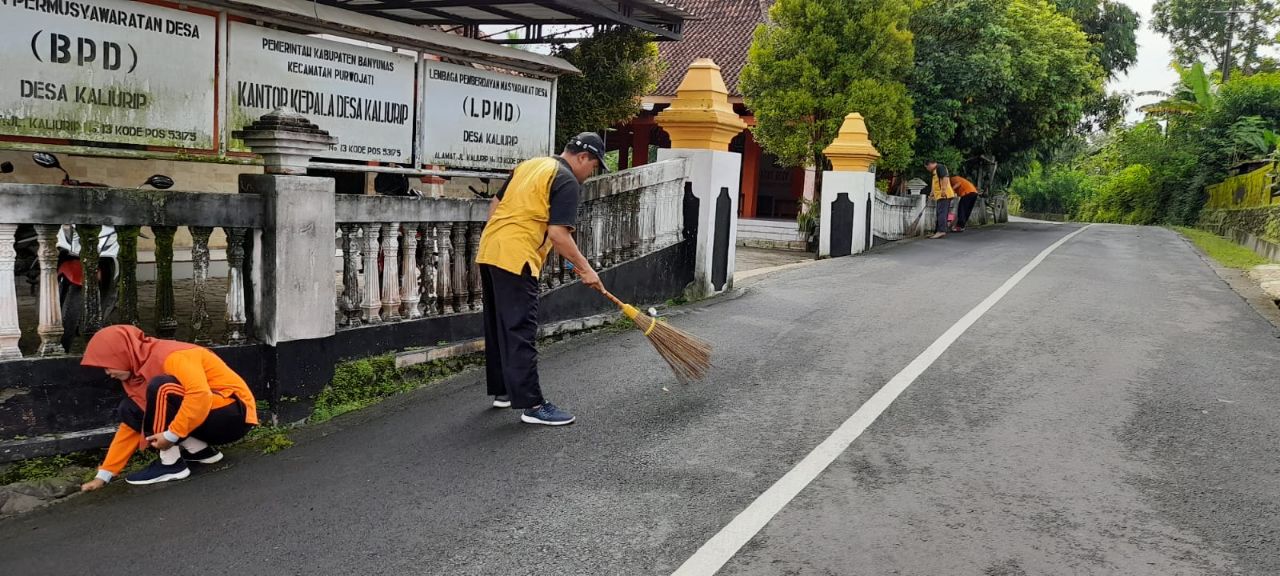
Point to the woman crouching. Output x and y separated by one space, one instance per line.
181 399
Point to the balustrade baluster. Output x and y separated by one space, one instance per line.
91 289
350 300
444 287
633 224
200 323
410 297
605 206
50 327
597 233
371 303
10 332
391 272
428 257
549 276
477 292
166 322
127 301
615 230
236 309
460 267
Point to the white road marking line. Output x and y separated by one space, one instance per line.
713 555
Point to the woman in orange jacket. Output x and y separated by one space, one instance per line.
968 197
180 399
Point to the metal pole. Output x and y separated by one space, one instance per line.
1231 31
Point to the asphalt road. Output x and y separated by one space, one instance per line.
1118 412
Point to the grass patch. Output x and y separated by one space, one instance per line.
267 439
622 324
1226 252
37 468
361 383
83 464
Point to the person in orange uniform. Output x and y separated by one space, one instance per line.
181 399
968 197
534 212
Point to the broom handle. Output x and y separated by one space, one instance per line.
612 298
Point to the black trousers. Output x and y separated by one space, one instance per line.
164 397
510 335
944 210
964 209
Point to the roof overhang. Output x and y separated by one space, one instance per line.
379 29
658 17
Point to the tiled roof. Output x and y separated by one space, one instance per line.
722 33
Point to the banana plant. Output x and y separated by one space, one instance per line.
1194 93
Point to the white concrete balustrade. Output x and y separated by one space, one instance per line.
419 254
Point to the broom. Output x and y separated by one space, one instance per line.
688 355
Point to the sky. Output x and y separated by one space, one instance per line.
1152 70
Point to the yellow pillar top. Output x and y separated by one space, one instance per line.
701 116
852 150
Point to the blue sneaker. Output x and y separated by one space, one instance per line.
547 414
502 401
160 472
209 455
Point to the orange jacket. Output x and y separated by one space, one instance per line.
963 186
207 383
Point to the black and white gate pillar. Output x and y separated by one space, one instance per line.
847 191
701 123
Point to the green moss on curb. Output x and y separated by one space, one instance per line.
361 383
1225 252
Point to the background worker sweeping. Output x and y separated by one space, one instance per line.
535 211
968 197
180 400
942 194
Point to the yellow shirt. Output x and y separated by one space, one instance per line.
541 192
942 187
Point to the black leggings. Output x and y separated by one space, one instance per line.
164 397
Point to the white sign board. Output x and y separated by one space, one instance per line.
107 71
362 96
480 119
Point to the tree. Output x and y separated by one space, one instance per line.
1198 31
1112 29
818 60
618 68
1003 79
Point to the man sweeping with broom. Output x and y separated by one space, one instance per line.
535 211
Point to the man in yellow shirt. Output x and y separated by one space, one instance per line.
535 211
942 194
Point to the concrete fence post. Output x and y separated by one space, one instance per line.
293 283
701 123
846 206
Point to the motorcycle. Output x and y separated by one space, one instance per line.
26 264
71 273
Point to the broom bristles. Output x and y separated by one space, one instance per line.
688 355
